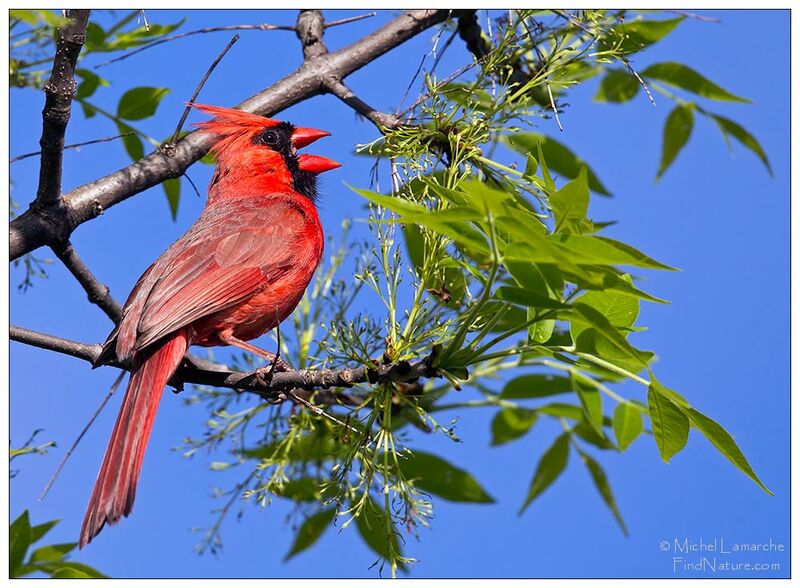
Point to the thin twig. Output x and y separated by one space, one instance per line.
553 106
100 408
196 191
260 27
349 19
696 16
200 87
72 146
640 80
144 18
320 412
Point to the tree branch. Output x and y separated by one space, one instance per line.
58 105
190 373
37 227
380 119
310 30
98 293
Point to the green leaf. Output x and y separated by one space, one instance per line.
141 102
310 531
590 434
132 143
50 567
19 538
52 552
617 86
449 222
435 475
531 165
549 468
570 249
535 386
95 37
558 156
601 483
600 326
371 524
591 402
723 441
91 81
69 573
621 309
571 203
172 189
684 77
731 128
670 424
677 131
303 490
415 244
628 424
542 330
638 34
511 423
525 297
560 409
40 531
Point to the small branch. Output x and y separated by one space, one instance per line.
58 105
72 146
200 87
289 381
259 27
310 29
349 19
98 293
380 119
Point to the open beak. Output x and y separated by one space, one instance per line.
314 164
302 137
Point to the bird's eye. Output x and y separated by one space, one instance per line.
269 138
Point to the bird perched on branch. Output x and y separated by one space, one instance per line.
234 275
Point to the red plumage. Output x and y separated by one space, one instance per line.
233 276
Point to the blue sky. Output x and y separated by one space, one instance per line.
723 342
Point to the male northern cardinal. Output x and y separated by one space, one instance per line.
234 275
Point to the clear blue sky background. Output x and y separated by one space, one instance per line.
723 342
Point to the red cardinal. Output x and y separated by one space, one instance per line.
234 275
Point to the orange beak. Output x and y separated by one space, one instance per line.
302 137
316 164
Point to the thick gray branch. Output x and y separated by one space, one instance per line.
38 227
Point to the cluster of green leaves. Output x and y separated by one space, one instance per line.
34 33
620 85
50 560
488 269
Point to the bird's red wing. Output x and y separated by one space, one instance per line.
217 265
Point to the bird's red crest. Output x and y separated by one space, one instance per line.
235 128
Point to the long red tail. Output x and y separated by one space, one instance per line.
115 488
